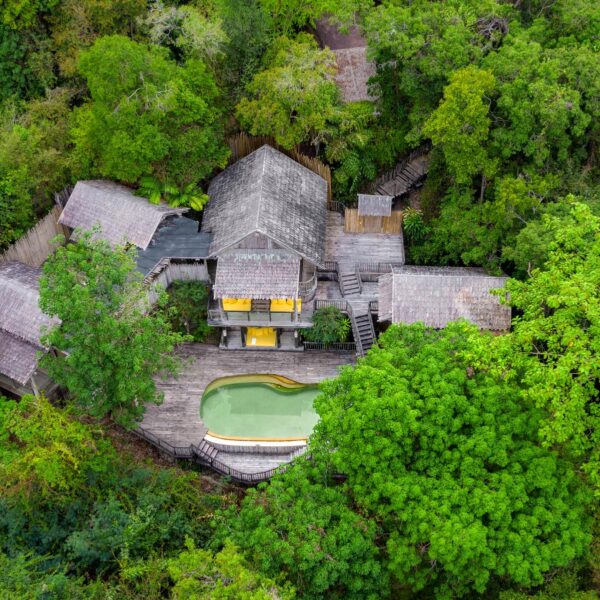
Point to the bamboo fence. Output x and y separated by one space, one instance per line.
36 245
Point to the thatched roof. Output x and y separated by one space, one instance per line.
121 216
21 320
438 295
354 70
269 193
373 205
353 67
175 238
257 274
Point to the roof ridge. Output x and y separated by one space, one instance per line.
262 184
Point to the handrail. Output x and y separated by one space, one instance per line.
195 453
335 206
337 346
374 306
340 304
329 266
307 289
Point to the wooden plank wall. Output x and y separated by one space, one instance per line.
353 223
36 245
173 271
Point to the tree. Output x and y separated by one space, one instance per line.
303 528
417 47
109 346
44 454
555 339
156 118
188 33
198 574
293 96
435 448
461 124
188 301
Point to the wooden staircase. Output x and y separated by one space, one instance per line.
404 175
363 331
349 283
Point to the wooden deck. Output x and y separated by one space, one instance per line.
347 249
177 420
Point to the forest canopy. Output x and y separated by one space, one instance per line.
446 463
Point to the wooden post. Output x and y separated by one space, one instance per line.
223 318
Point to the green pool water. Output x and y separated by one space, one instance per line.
259 407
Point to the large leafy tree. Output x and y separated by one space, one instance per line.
109 346
304 528
442 455
460 125
556 337
155 118
293 96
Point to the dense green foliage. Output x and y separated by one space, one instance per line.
109 346
448 451
445 464
72 507
187 306
329 326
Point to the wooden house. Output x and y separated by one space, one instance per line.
267 216
436 296
21 324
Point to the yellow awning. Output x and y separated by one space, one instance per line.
237 304
285 305
265 337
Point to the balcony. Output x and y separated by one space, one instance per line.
259 318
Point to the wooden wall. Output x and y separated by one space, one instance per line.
353 223
176 271
36 245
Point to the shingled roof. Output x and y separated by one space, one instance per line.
269 193
374 205
21 320
438 295
257 274
121 216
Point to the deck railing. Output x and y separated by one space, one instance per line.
258 318
196 454
307 289
340 304
374 306
336 347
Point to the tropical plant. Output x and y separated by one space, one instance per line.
187 308
156 191
329 326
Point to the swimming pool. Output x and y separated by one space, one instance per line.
267 408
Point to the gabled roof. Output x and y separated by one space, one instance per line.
175 238
439 295
374 205
269 193
121 216
257 274
21 320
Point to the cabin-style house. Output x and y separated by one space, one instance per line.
274 250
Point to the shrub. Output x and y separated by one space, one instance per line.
330 326
188 301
